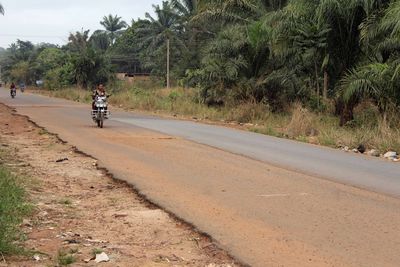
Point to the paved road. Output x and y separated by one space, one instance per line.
360 171
271 211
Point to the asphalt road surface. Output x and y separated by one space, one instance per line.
268 201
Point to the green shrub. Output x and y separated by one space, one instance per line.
65 258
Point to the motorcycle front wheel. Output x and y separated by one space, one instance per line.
100 121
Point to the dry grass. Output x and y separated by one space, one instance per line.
248 113
302 122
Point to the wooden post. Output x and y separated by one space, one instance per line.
317 80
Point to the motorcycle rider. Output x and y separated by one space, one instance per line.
12 87
22 86
100 91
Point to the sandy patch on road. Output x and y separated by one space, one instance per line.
80 210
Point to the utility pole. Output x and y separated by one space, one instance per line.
168 85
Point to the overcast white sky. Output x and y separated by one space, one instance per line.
52 20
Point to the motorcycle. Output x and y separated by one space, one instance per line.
100 112
13 92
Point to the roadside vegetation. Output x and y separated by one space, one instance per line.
326 72
13 207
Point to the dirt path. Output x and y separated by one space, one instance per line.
82 211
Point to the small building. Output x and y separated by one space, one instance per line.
133 77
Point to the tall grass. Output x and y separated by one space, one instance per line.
12 210
302 122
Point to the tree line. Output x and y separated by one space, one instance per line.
275 52
83 61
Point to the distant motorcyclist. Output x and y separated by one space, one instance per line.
13 90
22 86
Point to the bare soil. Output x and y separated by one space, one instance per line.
80 210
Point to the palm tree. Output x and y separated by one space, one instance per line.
241 11
380 32
333 33
391 20
378 77
162 29
185 8
78 41
224 61
100 40
195 34
113 26
377 81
